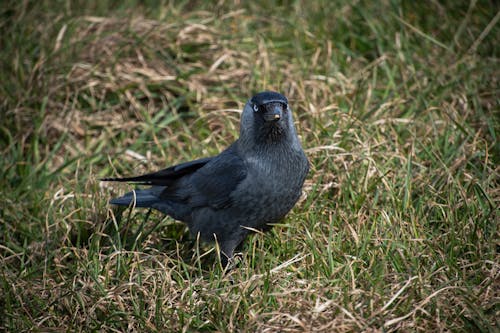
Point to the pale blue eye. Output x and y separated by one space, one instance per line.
255 108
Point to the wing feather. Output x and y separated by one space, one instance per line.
165 177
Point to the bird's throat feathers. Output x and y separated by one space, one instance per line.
271 140
271 134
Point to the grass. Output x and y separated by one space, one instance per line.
396 104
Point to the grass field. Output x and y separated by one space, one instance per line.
397 106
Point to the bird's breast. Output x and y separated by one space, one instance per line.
272 187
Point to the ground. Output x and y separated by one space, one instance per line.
396 104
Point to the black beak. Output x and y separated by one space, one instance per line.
274 114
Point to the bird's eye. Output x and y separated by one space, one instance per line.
255 108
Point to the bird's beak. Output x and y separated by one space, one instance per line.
273 115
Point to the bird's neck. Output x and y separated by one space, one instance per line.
271 147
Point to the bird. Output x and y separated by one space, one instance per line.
250 185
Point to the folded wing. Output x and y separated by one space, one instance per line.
177 190
213 184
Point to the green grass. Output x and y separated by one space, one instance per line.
396 103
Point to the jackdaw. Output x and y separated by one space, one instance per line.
253 183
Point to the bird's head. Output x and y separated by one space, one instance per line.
267 118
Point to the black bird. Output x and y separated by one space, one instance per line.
255 181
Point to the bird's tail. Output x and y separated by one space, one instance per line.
137 198
149 198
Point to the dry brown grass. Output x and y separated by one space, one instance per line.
397 229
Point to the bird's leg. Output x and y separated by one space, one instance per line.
227 252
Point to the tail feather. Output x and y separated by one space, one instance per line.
148 199
138 198
139 180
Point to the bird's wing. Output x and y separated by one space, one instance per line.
213 184
165 177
